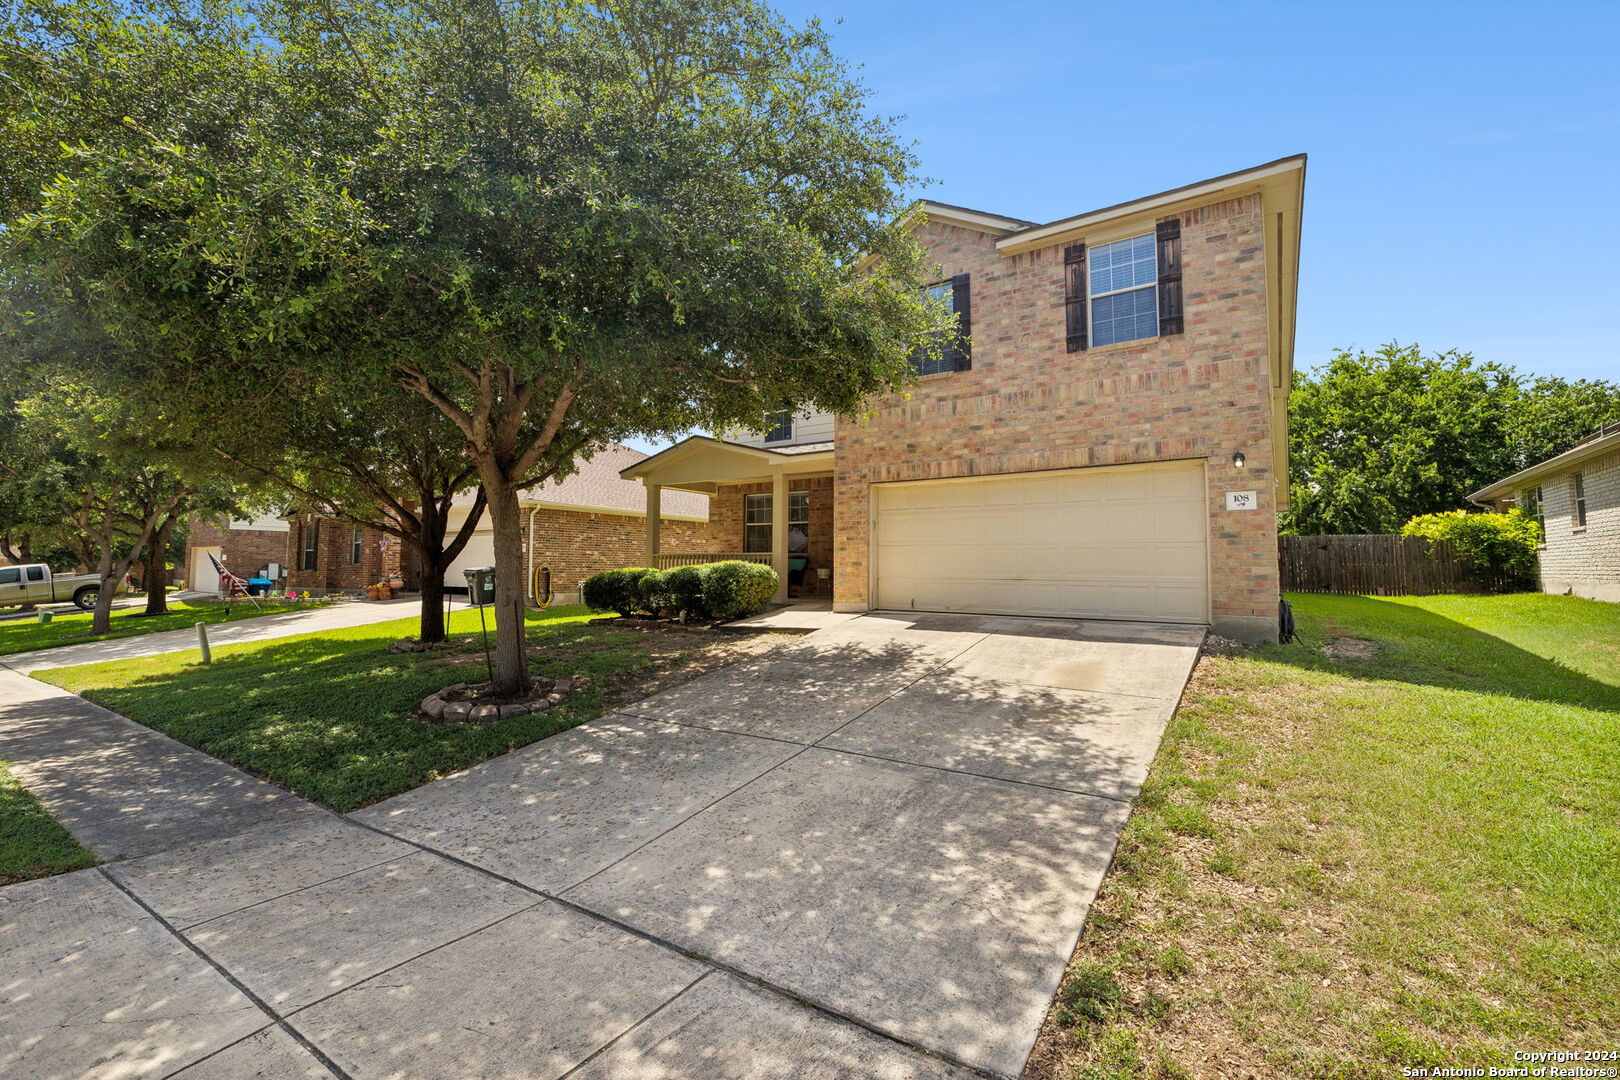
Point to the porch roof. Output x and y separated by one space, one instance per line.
700 463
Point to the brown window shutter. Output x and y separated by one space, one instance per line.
1074 295
1170 320
962 304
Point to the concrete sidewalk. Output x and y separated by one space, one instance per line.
249 628
867 854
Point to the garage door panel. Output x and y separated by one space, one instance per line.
1121 542
1178 484
480 551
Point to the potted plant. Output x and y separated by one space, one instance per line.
372 593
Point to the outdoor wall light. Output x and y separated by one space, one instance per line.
1238 460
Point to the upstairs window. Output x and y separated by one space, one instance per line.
1124 279
1123 291
1580 501
955 352
781 427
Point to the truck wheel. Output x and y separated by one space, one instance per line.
85 598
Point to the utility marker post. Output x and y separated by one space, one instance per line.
202 643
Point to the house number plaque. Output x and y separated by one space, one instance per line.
1241 500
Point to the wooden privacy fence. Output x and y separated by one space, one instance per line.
1378 564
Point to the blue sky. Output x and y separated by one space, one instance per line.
1462 190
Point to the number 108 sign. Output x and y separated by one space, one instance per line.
1241 500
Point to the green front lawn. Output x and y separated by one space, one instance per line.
1346 865
27 633
327 715
32 843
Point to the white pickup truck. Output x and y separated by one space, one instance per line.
33 583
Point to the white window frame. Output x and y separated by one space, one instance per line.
787 422
750 502
1537 508
1578 509
356 540
1092 298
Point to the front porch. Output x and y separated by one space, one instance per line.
772 507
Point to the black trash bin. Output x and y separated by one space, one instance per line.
480 585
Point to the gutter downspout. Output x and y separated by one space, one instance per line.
528 558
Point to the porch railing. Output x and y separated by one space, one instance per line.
665 561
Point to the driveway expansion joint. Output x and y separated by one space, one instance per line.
691 954
241 987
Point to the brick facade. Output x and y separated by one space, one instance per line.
577 544
244 551
725 530
336 569
1028 404
1576 561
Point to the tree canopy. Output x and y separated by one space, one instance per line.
554 222
1377 439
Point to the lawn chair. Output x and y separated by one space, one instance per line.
231 586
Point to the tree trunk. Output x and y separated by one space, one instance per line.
511 674
101 621
157 567
431 627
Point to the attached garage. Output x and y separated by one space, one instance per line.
1116 542
480 551
204 578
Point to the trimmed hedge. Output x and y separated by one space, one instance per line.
733 589
736 589
615 590
684 587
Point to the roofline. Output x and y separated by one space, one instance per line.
583 508
632 472
1049 233
973 219
1591 448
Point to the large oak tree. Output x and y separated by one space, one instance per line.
555 222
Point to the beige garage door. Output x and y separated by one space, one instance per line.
480 551
1124 542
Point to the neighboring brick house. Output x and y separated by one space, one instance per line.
327 554
1576 497
248 548
1108 438
590 521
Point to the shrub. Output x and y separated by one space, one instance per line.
615 590
652 590
684 585
735 589
1494 546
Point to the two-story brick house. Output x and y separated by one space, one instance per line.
1108 439
1576 497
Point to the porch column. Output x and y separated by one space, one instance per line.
655 519
779 534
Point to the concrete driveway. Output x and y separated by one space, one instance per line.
868 854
